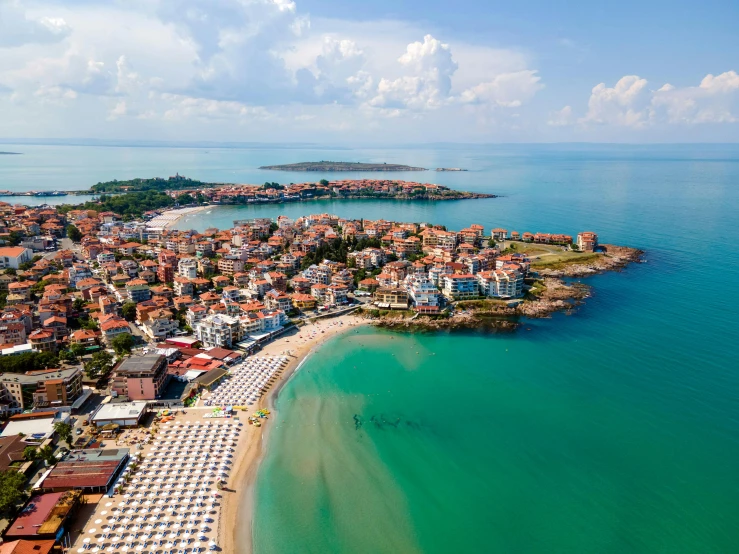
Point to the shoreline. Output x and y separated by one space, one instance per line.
169 218
238 500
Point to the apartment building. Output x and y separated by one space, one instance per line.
140 377
459 286
423 293
218 330
187 268
37 389
501 283
393 298
587 241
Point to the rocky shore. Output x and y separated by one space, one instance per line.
614 258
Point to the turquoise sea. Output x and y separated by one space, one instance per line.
613 430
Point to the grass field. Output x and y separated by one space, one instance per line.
548 255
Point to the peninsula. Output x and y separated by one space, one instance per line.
134 197
341 166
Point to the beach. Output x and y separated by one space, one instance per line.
231 519
169 218
235 522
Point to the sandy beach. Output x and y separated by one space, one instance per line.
170 217
236 514
231 527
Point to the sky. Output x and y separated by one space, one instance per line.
370 72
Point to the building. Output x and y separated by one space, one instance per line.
114 327
587 241
14 256
36 427
140 377
499 234
218 330
459 287
160 325
138 290
501 283
188 268
28 547
88 471
11 451
424 296
42 340
392 298
41 389
45 517
123 414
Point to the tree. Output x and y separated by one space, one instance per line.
323 182
47 452
73 233
78 304
77 349
64 431
67 356
185 199
14 238
99 366
491 243
122 344
129 311
11 489
30 453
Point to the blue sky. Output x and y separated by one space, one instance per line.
370 72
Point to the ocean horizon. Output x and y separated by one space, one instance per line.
613 429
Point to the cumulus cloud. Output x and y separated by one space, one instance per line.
626 103
429 82
508 90
17 29
631 103
561 118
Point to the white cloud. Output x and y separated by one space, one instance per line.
429 83
186 107
714 100
508 90
17 29
561 118
626 104
630 103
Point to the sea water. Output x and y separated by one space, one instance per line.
615 429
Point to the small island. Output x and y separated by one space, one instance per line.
450 169
341 166
10 153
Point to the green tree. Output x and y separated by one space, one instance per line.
67 356
11 489
122 344
73 233
129 311
323 182
47 452
64 432
77 349
78 304
30 453
99 366
14 238
185 199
